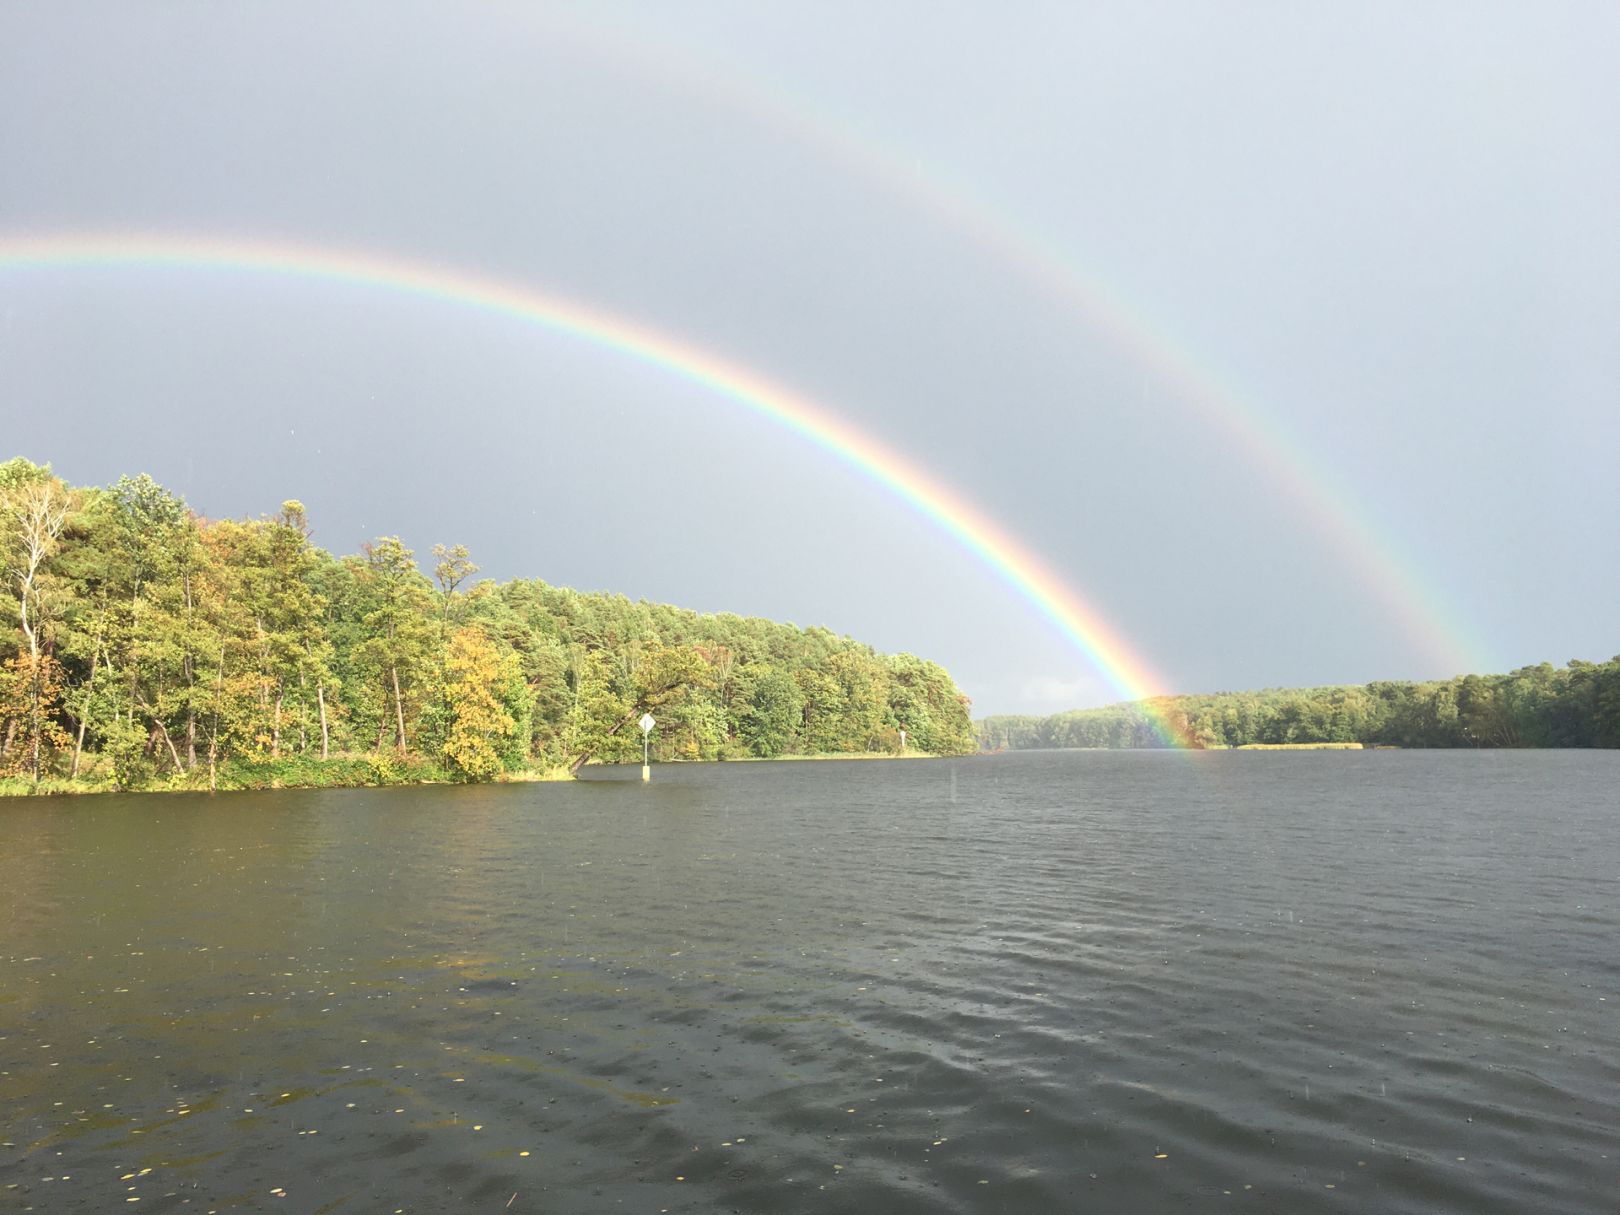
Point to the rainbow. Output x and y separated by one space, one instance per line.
1306 480
1078 621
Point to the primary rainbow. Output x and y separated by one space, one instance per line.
949 510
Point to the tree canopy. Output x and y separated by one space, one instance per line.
144 644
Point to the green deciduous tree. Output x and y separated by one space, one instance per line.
400 628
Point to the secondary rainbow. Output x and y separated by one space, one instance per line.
1307 480
1075 619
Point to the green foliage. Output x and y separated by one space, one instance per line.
298 772
22 786
125 744
1539 706
19 471
149 648
390 768
772 712
399 631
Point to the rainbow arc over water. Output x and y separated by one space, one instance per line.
1306 480
951 511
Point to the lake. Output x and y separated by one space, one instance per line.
1111 981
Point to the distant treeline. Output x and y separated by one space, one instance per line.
1541 706
141 644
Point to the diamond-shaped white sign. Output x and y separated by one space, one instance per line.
647 723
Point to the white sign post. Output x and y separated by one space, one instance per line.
646 723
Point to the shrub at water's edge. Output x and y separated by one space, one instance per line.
147 648
1541 706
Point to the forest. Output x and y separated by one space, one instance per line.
147 647
1577 705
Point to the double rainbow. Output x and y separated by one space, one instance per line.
1193 385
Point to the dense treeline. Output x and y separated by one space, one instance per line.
146 644
1541 706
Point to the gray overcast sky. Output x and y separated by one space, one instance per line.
1173 292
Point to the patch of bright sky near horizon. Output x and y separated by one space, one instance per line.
1388 228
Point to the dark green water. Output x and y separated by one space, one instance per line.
1025 983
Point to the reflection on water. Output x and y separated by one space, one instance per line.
1365 981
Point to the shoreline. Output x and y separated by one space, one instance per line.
794 759
1305 746
247 780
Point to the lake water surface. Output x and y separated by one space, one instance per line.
1138 982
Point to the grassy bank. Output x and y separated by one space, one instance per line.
338 772
774 759
299 772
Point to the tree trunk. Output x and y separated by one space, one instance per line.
275 731
579 761
191 684
84 718
33 677
213 732
132 653
163 733
399 709
303 714
320 695
38 692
